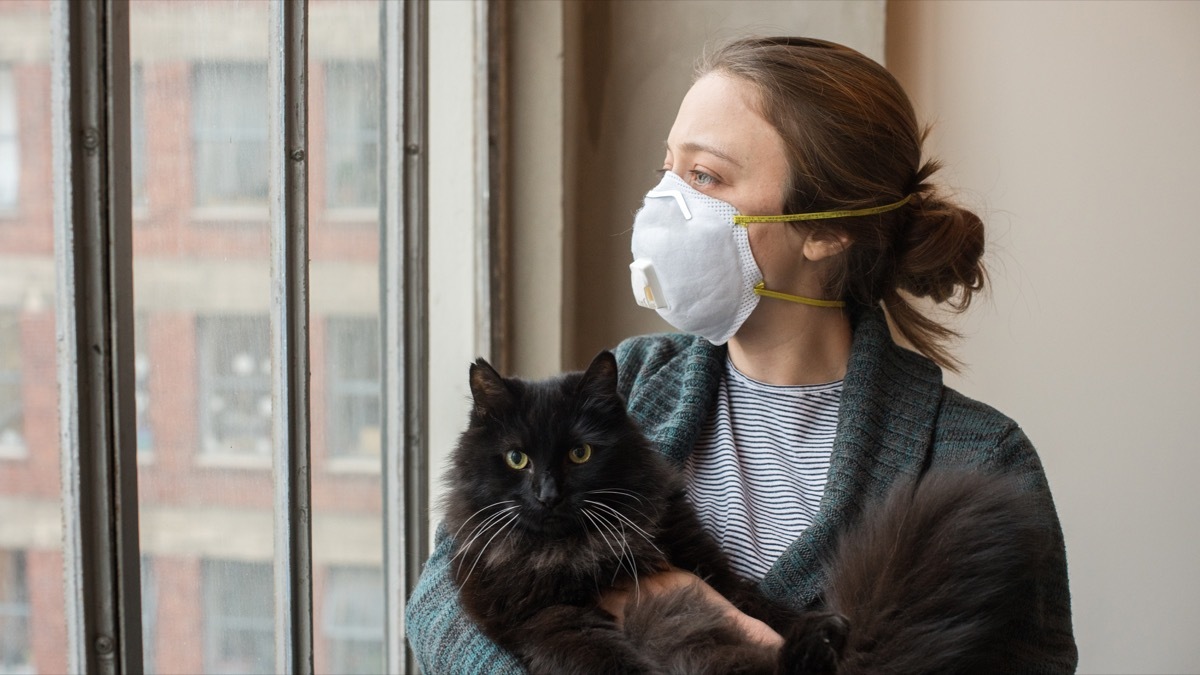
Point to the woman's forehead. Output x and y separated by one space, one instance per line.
719 116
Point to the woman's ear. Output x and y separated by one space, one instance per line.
822 245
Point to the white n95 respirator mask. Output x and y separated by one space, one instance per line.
692 261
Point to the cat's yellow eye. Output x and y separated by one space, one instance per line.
581 454
516 459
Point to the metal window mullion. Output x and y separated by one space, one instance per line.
288 91
404 312
95 330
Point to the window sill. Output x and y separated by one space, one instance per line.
217 460
218 215
16 453
352 216
354 466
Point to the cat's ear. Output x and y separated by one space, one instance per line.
600 378
487 387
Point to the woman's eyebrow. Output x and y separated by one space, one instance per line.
692 146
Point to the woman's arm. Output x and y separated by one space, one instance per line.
443 638
616 600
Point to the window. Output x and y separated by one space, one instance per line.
10 161
12 439
353 623
15 648
235 385
229 134
352 153
188 360
137 131
239 627
354 394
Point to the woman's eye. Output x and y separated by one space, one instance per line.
581 454
702 179
516 459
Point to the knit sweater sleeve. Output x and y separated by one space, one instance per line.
1047 643
441 635
972 433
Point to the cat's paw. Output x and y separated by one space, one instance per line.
814 645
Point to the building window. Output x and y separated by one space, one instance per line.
229 134
141 388
353 620
352 137
12 422
15 653
354 387
239 628
10 161
137 133
235 385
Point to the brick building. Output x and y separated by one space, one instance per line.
202 287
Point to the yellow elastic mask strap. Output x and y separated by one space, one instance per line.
761 289
822 215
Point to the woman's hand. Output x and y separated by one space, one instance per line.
615 600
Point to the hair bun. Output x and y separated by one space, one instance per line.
941 250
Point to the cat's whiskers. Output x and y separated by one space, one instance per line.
626 551
507 524
482 528
472 516
626 493
622 517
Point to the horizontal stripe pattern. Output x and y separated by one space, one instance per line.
760 464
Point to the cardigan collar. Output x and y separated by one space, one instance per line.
890 401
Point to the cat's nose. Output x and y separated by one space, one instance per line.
547 494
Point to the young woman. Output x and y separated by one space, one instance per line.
785 398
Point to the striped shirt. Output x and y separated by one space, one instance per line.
759 466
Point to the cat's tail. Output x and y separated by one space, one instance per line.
928 579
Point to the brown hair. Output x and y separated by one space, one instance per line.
852 142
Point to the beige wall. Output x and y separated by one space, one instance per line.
1073 128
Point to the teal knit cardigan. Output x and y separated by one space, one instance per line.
896 420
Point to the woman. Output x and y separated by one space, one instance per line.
788 404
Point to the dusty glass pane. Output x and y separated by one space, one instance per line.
344 110
32 606
202 354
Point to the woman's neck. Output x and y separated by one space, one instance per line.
788 344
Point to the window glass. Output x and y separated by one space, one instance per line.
352 623
352 100
354 388
10 174
239 630
229 133
202 358
16 655
33 630
235 385
344 115
12 418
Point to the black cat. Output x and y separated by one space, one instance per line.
555 495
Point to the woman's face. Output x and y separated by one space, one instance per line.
724 148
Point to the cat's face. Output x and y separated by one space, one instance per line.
553 459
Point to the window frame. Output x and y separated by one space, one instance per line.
95 328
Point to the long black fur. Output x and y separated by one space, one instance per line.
919 586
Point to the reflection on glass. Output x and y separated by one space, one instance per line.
32 603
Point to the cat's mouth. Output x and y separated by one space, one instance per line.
559 521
